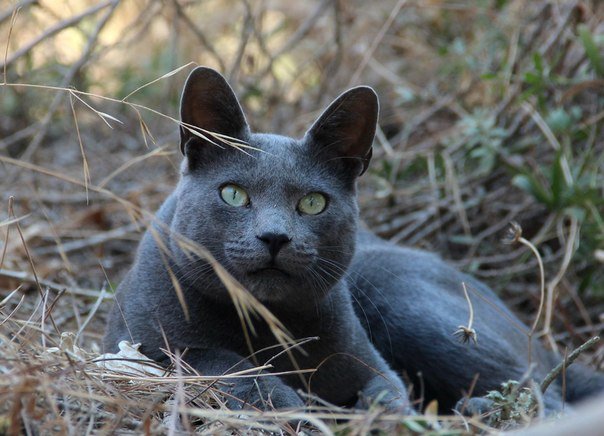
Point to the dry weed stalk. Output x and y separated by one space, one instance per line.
467 333
515 236
569 248
60 393
67 384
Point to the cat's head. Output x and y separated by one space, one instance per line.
281 215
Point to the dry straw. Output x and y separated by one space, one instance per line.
51 382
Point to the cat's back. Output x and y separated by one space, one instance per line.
387 277
376 257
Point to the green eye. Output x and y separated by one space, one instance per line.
234 195
312 204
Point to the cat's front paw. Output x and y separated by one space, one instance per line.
390 395
552 405
474 406
388 401
263 394
283 397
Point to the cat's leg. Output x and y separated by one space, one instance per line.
263 392
382 384
387 389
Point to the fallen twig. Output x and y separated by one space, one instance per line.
566 363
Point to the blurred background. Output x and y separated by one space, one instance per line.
492 111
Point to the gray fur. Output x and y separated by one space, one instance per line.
407 302
411 302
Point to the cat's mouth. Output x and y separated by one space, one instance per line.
269 270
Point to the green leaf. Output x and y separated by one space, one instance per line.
500 4
557 181
576 212
414 426
538 61
462 239
532 186
559 120
591 49
488 76
495 396
532 78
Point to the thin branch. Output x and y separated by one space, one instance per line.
54 30
303 30
8 13
376 41
24 277
92 241
549 378
199 34
75 68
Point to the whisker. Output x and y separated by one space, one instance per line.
352 283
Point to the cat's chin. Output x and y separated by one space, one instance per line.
273 285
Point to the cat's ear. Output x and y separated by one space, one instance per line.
345 130
209 103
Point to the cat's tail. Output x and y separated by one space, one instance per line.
583 382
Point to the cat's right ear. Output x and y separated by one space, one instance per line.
209 103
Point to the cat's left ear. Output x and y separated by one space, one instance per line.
345 130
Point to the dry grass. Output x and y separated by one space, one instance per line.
489 114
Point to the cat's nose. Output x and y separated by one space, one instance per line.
274 242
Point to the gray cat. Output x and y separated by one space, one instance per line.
282 219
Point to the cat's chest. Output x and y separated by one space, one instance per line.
323 347
314 335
